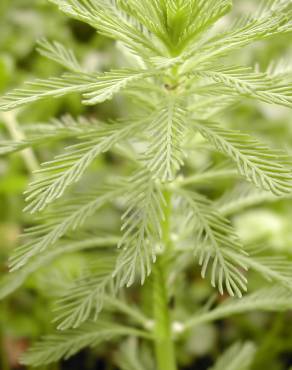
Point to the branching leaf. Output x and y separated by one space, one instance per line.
149 13
96 88
176 22
237 357
208 107
166 131
66 217
64 345
141 227
12 281
66 169
111 22
242 81
187 19
267 169
111 83
87 295
58 129
274 21
274 269
272 299
244 196
213 237
60 54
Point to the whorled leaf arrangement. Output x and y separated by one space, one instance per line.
180 84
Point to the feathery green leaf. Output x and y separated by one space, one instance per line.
241 80
142 229
95 88
109 20
87 295
64 345
58 129
244 196
67 216
274 21
213 238
67 168
237 357
129 356
164 155
272 299
60 54
267 169
12 281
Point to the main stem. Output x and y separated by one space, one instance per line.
164 345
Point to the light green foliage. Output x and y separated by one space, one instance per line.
141 227
95 88
167 127
68 168
15 279
238 357
271 299
57 129
264 167
109 20
244 196
58 53
175 87
129 357
66 217
88 292
64 345
214 240
274 19
244 81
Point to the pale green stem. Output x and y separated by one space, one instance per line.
164 345
239 205
203 318
222 312
15 132
132 312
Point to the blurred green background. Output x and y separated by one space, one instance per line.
25 315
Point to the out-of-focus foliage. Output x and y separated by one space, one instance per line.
22 23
